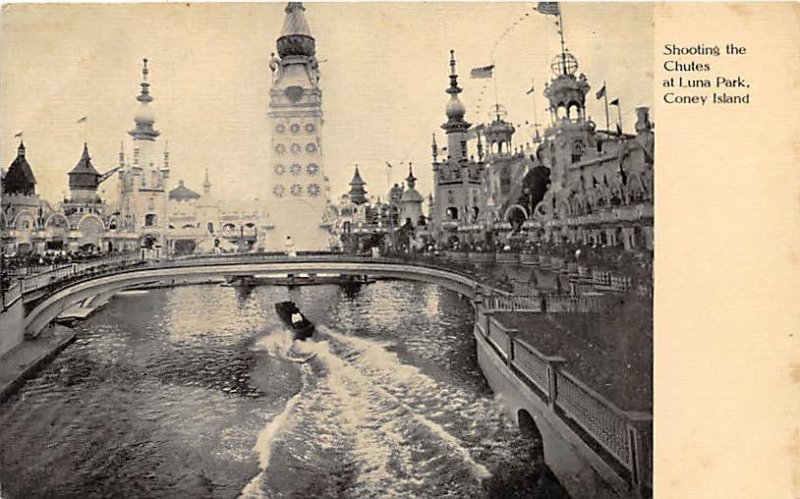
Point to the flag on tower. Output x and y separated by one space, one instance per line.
614 102
601 93
530 91
388 165
18 135
482 72
548 8
82 119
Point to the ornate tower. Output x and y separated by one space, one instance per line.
457 180
84 179
297 198
143 189
358 195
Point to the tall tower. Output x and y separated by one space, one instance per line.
297 198
457 180
143 189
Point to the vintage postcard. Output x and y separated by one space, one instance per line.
399 250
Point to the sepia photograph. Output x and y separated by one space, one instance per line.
324 250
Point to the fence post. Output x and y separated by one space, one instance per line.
511 334
553 367
639 465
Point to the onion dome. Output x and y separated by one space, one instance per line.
84 175
296 38
455 110
182 193
19 178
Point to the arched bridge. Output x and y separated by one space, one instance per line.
195 270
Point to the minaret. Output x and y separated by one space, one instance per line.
297 197
358 195
456 127
143 192
144 134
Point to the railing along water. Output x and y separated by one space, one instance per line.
625 437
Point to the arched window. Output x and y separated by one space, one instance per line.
150 220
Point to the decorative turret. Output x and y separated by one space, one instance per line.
411 180
565 92
19 178
434 149
206 184
296 38
498 133
358 195
455 110
84 176
144 118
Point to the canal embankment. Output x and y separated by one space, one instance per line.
24 360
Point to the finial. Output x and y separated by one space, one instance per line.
145 71
121 154
452 62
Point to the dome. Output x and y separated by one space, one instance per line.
411 196
144 113
455 109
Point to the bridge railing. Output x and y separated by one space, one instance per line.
622 439
513 303
11 295
69 272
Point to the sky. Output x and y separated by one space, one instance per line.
384 70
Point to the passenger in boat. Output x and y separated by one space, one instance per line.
297 318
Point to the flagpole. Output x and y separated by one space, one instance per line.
496 104
561 32
605 97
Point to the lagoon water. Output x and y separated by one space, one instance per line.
196 392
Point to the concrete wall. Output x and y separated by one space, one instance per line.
11 327
577 468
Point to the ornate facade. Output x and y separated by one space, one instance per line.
297 188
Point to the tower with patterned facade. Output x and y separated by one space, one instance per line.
143 182
296 187
458 193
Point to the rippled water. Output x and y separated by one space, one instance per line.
197 392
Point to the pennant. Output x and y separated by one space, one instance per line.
83 118
18 135
548 8
530 91
388 165
601 93
614 102
483 72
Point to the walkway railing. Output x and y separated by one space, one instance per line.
622 439
68 272
11 295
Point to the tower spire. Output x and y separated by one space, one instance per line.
206 184
144 117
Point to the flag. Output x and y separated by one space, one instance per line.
83 118
614 102
530 91
548 8
601 93
484 72
388 165
18 135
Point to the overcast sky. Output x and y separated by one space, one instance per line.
383 79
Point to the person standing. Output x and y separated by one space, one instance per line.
290 247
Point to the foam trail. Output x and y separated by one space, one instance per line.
323 350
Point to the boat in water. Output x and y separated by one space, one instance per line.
291 315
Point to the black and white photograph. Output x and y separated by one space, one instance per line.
324 250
